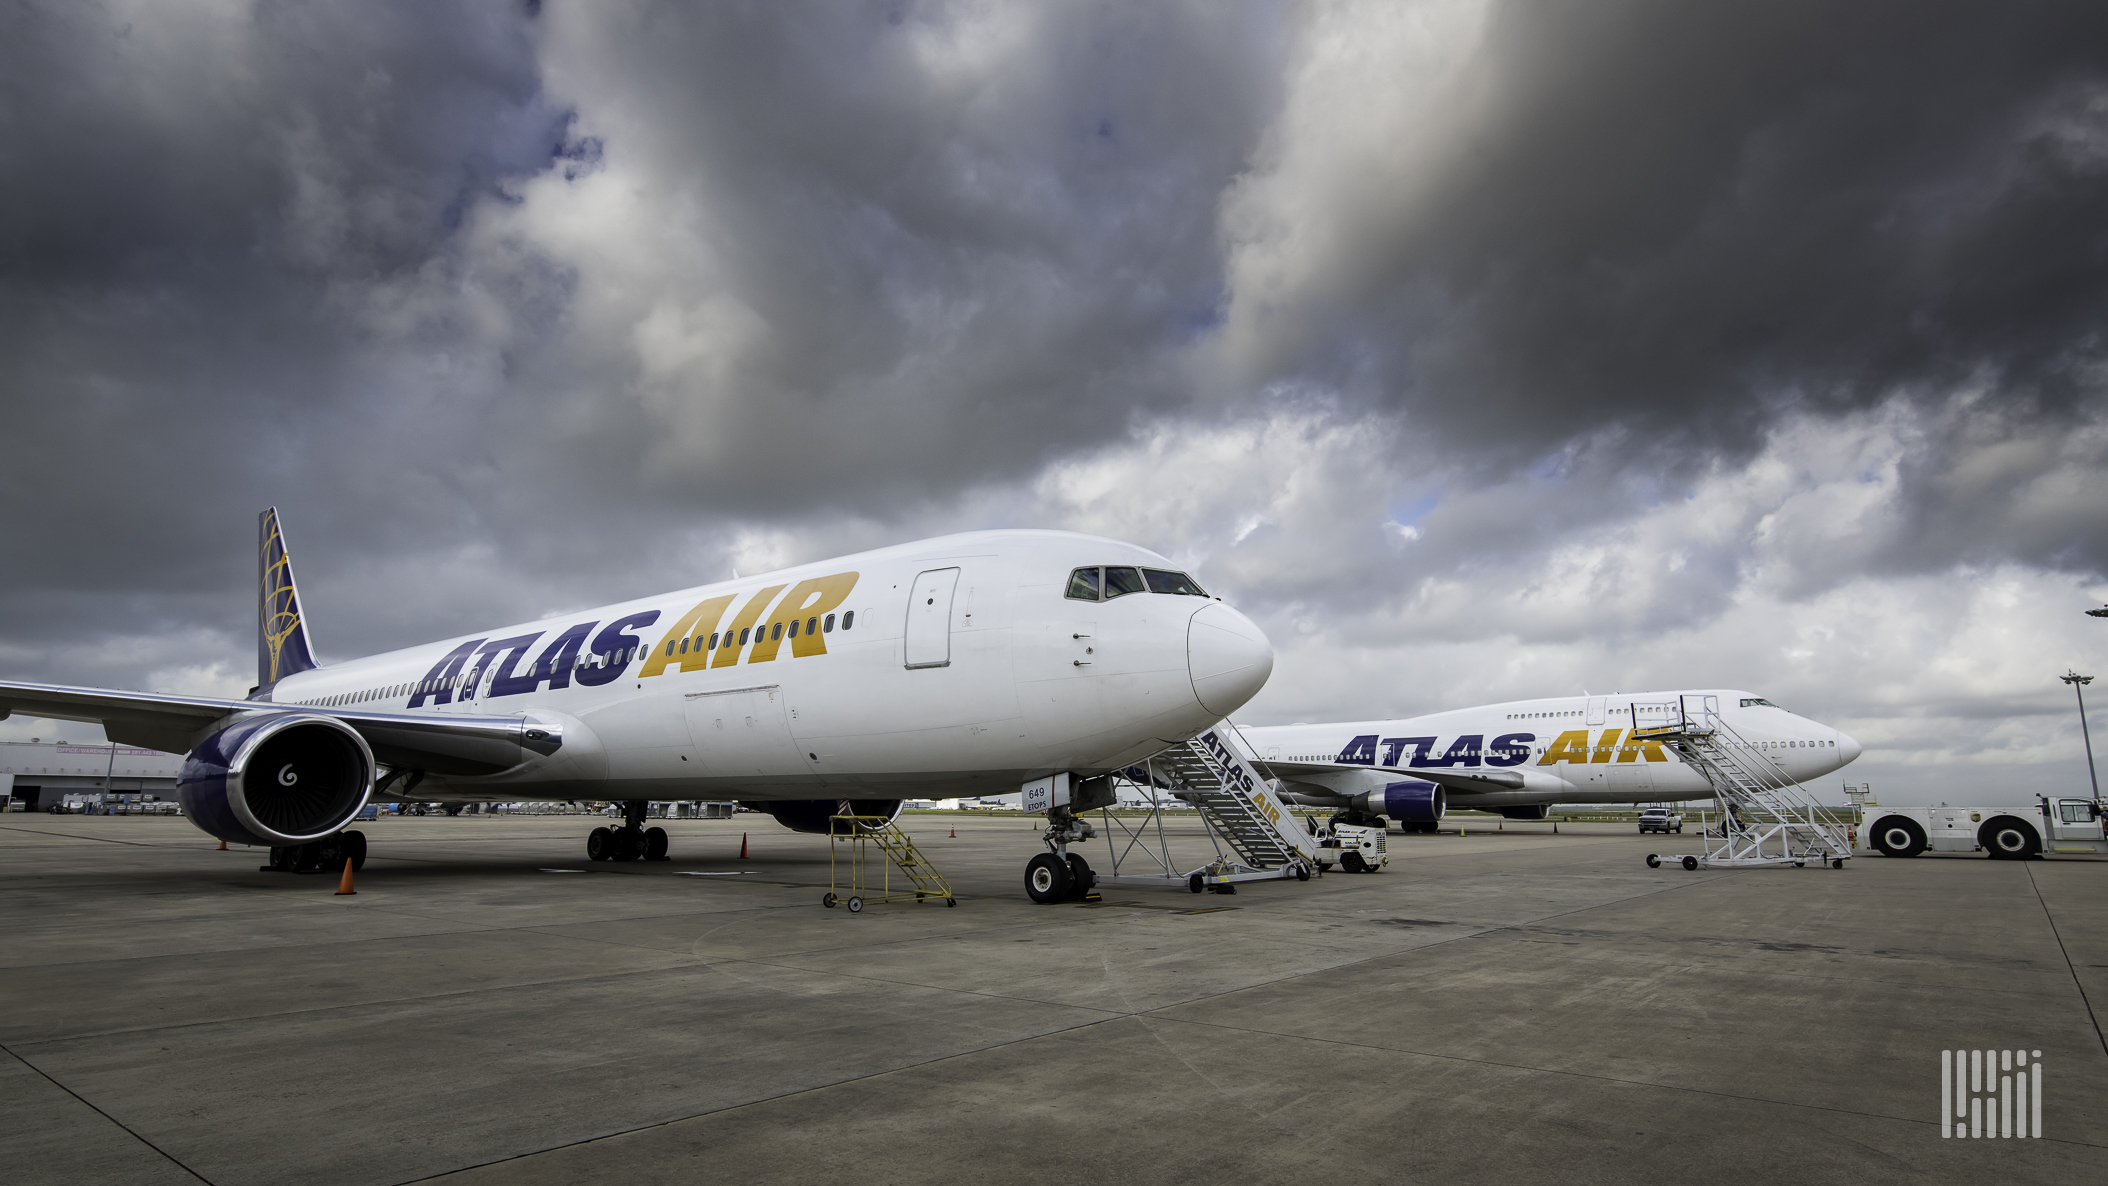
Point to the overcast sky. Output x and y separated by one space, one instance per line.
1479 351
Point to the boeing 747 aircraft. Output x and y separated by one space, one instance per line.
964 665
1520 758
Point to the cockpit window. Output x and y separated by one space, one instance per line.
1171 582
1083 584
1119 582
1753 701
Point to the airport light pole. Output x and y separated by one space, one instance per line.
2078 686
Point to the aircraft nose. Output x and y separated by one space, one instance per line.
1228 656
1847 749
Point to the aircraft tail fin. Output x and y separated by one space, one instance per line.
281 631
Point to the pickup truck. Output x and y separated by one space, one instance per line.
1660 819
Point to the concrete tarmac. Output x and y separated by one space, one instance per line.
1507 1006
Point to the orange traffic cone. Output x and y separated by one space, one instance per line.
344 886
742 846
955 832
223 846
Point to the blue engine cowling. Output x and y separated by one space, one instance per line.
1409 802
277 779
811 815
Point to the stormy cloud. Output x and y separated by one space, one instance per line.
1482 350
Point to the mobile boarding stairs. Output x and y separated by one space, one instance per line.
1250 829
1766 818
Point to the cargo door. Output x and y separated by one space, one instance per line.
928 639
743 733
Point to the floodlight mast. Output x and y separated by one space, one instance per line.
2078 685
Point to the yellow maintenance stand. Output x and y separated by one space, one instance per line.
850 839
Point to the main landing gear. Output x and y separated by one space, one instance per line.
327 854
629 842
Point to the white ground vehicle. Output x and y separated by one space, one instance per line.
1660 819
2018 829
1353 848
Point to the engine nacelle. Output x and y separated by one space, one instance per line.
279 779
1526 811
812 815
1408 802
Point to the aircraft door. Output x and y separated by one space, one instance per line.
742 733
928 639
1595 709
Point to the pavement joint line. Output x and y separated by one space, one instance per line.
777 1098
1489 1062
97 839
2066 953
129 1131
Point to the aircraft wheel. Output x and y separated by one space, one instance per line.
1081 879
655 844
855 904
1654 860
1047 878
600 844
629 844
1691 863
353 845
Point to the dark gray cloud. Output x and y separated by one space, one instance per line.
1438 334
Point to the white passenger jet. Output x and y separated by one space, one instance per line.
963 665
1521 757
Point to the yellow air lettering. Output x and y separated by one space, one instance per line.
809 598
1635 747
1572 746
702 619
1606 747
728 655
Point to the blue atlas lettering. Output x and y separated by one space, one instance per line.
437 685
611 644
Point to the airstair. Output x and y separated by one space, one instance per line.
1766 818
1253 836
850 863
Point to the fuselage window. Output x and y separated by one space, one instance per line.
1083 584
810 623
794 629
848 619
1161 581
1119 582
743 636
684 646
713 642
777 632
827 624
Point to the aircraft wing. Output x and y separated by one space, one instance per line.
439 743
1471 782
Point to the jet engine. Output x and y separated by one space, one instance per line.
1526 811
277 779
1407 802
811 815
